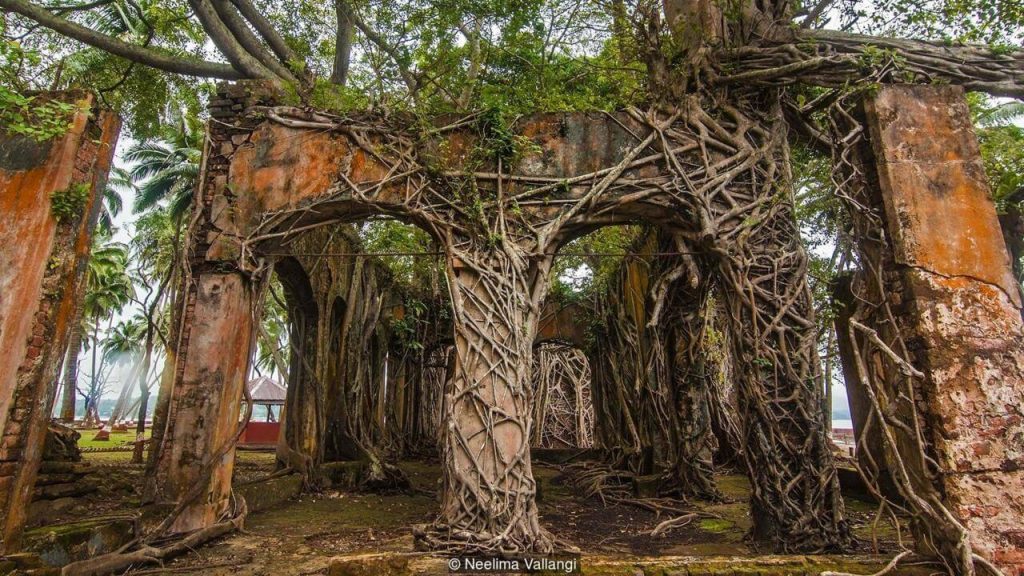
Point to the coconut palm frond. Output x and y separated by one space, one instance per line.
1001 114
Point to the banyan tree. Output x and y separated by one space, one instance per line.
704 351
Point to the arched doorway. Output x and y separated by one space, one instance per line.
564 413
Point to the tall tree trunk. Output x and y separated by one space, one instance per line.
147 361
122 406
69 395
342 42
795 504
826 404
488 500
176 290
622 35
695 443
94 417
140 425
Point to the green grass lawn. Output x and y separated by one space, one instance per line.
117 439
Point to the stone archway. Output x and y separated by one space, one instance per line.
271 172
274 172
564 410
287 171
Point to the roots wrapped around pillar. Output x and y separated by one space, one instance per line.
489 495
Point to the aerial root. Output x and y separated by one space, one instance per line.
671 523
437 538
148 554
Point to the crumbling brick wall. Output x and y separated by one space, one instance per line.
42 264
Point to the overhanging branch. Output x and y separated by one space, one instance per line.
834 59
132 52
266 30
247 39
226 42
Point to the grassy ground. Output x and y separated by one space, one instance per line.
302 536
117 439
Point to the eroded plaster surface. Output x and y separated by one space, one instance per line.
961 316
42 263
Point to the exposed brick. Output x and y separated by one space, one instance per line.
47 262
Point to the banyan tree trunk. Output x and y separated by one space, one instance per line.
489 491
795 502
302 420
299 444
717 358
693 438
650 377
762 274
629 392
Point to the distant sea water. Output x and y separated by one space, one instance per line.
842 424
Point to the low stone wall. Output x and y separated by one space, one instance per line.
62 544
407 564
265 494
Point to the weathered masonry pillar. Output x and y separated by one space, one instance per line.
212 364
49 206
958 309
197 419
488 498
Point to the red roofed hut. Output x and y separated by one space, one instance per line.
270 395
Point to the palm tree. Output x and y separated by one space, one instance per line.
118 181
107 290
124 340
154 250
1001 114
123 345
166 169
165 173
121 18
273 337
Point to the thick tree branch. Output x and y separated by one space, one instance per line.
815 13
342 42
266 30
408 77
135 53
475 61
247 40
834 59
78 7
226 42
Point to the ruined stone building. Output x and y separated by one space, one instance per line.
701 358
